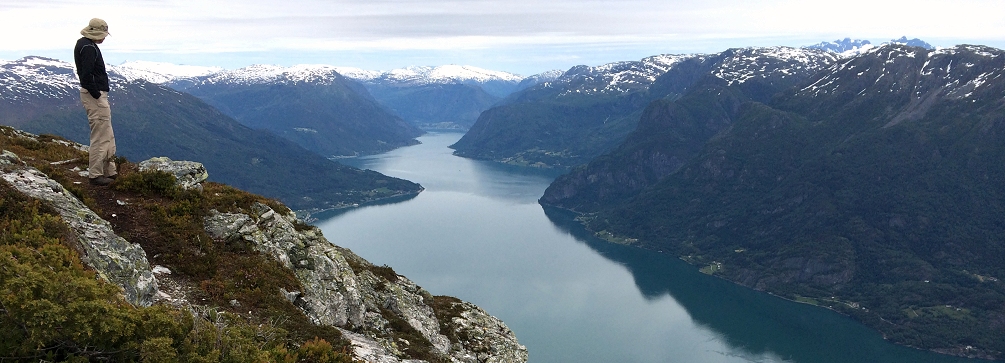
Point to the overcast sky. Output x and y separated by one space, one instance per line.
520 36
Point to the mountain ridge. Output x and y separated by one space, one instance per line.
590 110
868 188
41 95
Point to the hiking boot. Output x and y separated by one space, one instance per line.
113 176
101 180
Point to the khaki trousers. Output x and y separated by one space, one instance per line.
102 150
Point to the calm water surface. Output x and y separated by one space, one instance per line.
477 233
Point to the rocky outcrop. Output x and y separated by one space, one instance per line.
370 304
487 340
342 289
116 260
188 174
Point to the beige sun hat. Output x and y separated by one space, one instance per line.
96 29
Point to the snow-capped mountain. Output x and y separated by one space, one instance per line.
841 45
848 47
159 72
496 83
312 105
953 73
897 133
446 74
614 78
33 78
273 74
589 110
548 76
156 72
912 42
740 65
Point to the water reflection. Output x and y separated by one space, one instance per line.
748 320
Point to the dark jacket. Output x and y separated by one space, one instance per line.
90 66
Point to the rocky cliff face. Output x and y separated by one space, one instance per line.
342 289
371 305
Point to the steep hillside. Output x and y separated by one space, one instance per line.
703 95
873 188
161 266
589 111
568 121
40 95
313 106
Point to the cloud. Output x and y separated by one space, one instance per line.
296 26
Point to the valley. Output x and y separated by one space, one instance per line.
860 178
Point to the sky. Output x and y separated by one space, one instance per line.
525 37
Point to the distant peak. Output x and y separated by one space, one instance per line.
840 45
160 72
450 73
912 42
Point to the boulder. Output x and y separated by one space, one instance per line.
189 174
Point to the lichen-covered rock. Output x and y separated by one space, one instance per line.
489 340
370 350
189 174
115 259
341 289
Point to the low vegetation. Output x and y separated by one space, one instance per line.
53 308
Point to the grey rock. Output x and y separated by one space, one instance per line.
8 158
335 294
189 174
115 259
489 339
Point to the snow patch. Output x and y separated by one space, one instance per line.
159 72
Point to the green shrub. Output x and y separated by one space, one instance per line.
148 183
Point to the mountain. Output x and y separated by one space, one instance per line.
160 72
434 106
449 96
703 95
590 110
567 121
872 188
531 81
848 47
313 106
41 95
153 267
496 83
842 45
915 42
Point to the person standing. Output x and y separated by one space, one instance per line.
94 95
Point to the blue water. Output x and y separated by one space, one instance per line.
477 233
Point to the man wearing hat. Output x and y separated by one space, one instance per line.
94 96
